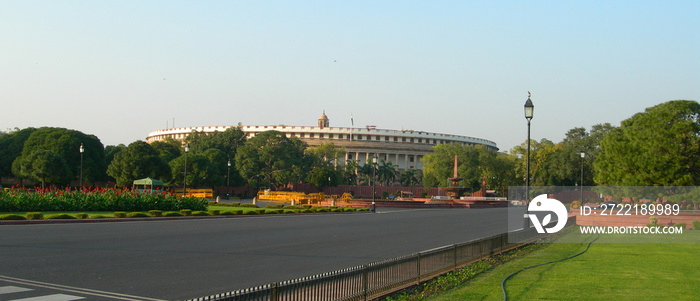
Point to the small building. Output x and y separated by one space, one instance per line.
148 185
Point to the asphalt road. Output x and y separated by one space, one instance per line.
182 259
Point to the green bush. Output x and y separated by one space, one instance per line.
271 212
261 211
137 214
186 212
235 204
321 210
280 206
214 212
60 216
653 220
200 213
171 214
306 211
307 206
696 225
289 212
155 213
349 209
227 213
689 207
12 217
98 216
291 207
120 214
251 213
679 225
248 205
81 215
35 215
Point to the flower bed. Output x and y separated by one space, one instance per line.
19 199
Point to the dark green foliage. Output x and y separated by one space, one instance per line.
270 159
251 212
155 213
680 225
171 214
248 206
11 145
35 215
200 213
137 161
81 216
137 214
186 212
215 212
60 216
696 225
291 207
9 217
120 214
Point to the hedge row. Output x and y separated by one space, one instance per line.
184 212
99 199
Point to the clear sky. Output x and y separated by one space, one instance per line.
120 69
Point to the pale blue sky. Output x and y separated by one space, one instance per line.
120 69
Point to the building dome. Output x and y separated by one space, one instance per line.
323 120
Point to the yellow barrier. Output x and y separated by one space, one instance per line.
197 193
289 196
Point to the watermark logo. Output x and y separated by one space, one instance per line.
542 204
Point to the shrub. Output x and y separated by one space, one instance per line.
235 204
280 206
60 216
321 210
679 225
260 211
120 214
98 216
81 215
248 205
289 212
186 212
575 204
306 211
307 206
696 225
653 220
214 212
271 212
172 214
337 210
689 207
12 217
291 207
155 213
227 213
137 214
350 209
35 215
200 213
251 212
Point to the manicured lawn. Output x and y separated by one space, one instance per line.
608 271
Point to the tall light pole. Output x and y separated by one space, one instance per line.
583 155
529 110
228 178
184 183
374 181
81 165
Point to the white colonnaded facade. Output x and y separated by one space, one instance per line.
403 148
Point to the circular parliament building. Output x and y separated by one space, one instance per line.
403 148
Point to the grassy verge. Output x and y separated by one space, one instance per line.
608 271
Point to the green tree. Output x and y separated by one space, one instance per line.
324 175
658 147
66 144
45 166
228 143
273 160
350 173
409 178
386 172
11 145
439 166
137 161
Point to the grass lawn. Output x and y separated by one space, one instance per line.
608 271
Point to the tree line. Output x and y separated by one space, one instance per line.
660 146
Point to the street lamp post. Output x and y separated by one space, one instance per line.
529 110
583 155
81 165
184 183
374 182
228 178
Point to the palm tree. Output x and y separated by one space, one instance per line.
386 172
409 178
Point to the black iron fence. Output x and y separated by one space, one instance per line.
380 278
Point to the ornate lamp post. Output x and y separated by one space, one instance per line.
583 155
81 165
529 110
184 184
374 181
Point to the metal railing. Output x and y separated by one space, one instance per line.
380 278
